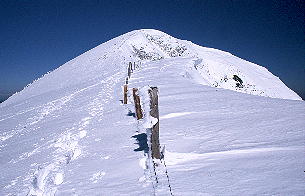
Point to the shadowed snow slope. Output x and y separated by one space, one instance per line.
68 133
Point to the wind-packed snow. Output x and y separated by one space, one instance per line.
68 133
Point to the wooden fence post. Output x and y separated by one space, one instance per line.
125 93
154 112
137 104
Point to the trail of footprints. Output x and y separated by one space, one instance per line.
47 178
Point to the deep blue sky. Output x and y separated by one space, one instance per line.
39 36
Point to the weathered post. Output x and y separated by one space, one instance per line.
125 93
154 112
137 103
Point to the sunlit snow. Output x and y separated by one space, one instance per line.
68 133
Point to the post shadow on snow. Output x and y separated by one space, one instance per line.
130 113
142 142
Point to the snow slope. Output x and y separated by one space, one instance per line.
68 133
207 66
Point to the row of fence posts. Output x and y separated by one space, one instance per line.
154 110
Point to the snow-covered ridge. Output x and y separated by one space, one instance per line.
215 67
68 133
207 66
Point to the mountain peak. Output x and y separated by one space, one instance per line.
207 66
203 65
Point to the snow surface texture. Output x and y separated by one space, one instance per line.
68 133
